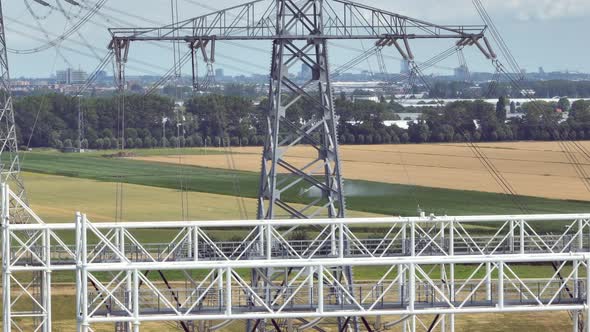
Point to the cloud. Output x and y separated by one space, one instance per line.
524 10
543 9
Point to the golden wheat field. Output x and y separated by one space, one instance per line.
540 169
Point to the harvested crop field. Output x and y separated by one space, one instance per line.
539 169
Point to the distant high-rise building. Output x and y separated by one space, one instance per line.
405 67
541 71
78 76
462 73
71 76
305 71
219 73
61 77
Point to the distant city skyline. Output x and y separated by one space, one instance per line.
79 74
540 33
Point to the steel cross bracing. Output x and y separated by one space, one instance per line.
299 31
321 176
341 20
112 263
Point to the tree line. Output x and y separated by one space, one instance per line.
542 89
215 120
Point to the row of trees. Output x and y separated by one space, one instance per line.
146 143
480 121
49 120
463 121
149 121
214 120
543 89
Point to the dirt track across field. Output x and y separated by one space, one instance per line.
538 169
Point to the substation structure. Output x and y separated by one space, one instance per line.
299 33
413 265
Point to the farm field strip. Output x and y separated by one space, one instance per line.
371 197
57 198
92 190
537 169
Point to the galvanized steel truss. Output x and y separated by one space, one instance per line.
113 284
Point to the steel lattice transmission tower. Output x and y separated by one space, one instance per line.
281 174
27 305
321 176
9 157
301 171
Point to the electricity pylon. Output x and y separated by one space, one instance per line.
9 157
28 303
301 172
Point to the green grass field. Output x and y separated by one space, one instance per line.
372 197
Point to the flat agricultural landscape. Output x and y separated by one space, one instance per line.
540 169
374 197
381 180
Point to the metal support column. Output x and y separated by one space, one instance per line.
580 235
47 280
195 243
500 267
320 284
488 281
452 271
135 300
511 237
84 326
587 288
79 280
412 296
522 238
576 315
6 273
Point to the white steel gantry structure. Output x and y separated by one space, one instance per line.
413 263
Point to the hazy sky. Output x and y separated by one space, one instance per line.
548 33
